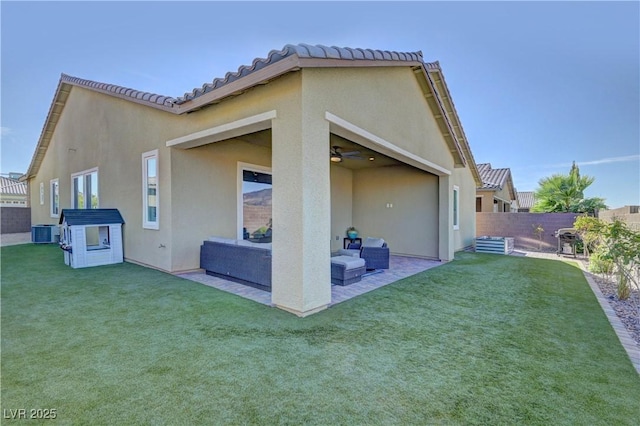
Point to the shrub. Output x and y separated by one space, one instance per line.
601 263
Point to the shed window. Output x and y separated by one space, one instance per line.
97 237
150 194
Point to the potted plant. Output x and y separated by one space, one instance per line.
352 232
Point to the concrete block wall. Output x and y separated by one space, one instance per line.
628 214
520 226
15 220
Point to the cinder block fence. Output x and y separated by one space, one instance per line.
15 220
520 226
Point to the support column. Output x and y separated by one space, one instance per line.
445 215
301 263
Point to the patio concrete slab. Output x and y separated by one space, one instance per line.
399 267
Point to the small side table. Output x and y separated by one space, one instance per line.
350 240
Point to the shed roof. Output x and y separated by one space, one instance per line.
90 216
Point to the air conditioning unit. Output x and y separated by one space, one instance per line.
45 234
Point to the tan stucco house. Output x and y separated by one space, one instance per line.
177 168
497 193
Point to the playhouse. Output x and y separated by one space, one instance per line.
91 237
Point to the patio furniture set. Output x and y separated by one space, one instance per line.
249 263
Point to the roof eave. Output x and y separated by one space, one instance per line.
289 64
55 111
456 124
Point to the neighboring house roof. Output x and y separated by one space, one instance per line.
90 216
526 199
12 186
261 71
496 179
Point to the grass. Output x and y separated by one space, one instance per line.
483 340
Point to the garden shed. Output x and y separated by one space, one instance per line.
91 237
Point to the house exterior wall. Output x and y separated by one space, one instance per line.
205 177
489 196
198 187
388 102
466 234
205 187
399 204
341 204
111 134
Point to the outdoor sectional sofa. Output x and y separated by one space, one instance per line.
237 260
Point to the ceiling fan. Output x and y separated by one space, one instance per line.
337 155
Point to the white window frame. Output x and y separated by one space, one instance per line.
84 173
42 193
240 209
52 197
456 207
146 224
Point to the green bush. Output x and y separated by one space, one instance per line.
600 263
624 289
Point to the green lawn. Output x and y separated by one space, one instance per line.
485 339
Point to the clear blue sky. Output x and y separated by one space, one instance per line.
537 85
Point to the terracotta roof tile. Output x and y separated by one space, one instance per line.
492 178
302 51
12 186
119 90
526 199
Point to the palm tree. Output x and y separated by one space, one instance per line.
565 193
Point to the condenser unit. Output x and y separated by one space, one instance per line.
45 234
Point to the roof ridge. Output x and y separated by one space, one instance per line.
149 97
302 50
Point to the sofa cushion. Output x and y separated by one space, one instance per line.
222 240
245 243
373 242
348 262
349 252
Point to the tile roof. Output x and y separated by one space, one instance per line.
526 199
12 186
492 178
120 90
289 58
302 51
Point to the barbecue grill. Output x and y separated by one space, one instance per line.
567 238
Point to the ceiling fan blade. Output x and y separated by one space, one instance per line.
351 153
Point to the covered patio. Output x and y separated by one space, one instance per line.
399 267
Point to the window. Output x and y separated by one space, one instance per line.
97 237
150 190
54 198
254 203
456 207
85 189
42 193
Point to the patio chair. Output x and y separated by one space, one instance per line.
374 251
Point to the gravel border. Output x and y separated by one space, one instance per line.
626 310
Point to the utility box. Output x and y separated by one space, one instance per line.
91 237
